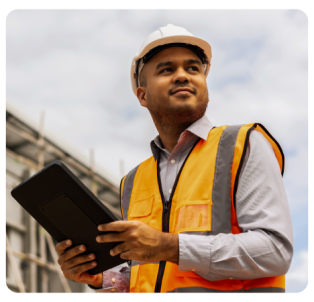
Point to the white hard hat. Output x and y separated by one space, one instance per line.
160 39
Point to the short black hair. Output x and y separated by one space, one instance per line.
196 49
143 82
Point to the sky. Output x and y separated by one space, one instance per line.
75 66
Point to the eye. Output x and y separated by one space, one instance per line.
194 68
166 69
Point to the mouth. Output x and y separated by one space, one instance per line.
183 92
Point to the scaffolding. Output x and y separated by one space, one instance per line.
31 264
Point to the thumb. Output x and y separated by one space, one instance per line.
94 280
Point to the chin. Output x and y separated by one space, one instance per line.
183 96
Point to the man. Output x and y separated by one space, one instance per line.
208 211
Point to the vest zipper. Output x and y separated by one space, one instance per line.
165 228
166 215
162 264
166 206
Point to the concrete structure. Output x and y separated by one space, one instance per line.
31 256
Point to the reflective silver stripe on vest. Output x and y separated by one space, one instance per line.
221 211
127 191
204 233
195 289
265 290
134 262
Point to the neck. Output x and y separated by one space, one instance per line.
169 133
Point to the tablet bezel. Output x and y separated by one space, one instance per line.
48 184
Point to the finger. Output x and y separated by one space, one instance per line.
111 237
77 270
116 226
62 246
72 253
126 255
119 249
77 261
87 278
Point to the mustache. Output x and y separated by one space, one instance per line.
170 91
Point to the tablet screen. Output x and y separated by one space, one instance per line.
71 220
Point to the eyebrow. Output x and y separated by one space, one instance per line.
163 64
169 63
193 61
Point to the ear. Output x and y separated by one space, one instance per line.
141 95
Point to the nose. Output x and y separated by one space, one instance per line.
181 76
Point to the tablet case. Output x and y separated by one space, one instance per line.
67 209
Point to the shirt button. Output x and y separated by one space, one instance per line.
113 289
230 278
173 161
170 190
193 269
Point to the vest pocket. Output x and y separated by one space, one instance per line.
141 209
193 216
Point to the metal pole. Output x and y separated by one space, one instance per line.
49 148
42 242
43 255
41 159
35 259
33 251
14 267
54 255
23 160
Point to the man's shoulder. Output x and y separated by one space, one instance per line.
259 143
262 154
255 130
146 162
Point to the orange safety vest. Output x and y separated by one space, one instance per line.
202 201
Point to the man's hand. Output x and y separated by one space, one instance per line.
140 241
74 265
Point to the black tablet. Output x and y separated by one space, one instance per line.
67 209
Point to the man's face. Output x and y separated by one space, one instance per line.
176 89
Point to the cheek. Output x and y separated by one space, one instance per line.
160 86
201 85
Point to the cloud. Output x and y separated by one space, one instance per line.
257 74
75 65
297 277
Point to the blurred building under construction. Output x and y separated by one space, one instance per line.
31 262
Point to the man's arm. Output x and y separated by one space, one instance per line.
141 242
265 247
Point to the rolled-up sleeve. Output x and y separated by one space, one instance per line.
265 246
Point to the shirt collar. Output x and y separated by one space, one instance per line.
200 128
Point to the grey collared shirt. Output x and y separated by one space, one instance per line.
265 246
170 164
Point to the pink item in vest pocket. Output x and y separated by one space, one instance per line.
118 278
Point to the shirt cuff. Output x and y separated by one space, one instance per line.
194 253
116 280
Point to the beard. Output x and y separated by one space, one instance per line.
168 115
